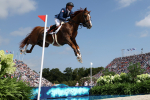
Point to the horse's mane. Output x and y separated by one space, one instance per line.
76 12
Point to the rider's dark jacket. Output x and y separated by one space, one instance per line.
63 14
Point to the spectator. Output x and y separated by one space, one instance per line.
121 64
77 84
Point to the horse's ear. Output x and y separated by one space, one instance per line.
85 9
89 12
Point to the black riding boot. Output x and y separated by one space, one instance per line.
53 27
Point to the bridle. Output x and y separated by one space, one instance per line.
85 21
84 24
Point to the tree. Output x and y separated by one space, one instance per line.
134 70
81 72
55 75
46 73
68 72
75 74
106 72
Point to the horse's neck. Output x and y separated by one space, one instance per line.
77 20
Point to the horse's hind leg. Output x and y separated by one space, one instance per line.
29 51
23 51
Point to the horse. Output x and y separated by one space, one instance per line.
66 34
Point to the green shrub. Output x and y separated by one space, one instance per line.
122 88
10 89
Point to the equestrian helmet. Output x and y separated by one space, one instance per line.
70 4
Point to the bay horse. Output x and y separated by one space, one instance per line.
66 34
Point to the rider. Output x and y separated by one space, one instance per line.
62 16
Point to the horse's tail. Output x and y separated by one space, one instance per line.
24 41
28 37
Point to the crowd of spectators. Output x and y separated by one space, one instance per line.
118 65
28 75
121 64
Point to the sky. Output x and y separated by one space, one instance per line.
117 25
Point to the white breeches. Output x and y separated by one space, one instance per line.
58 22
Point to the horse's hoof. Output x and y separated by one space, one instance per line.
79 59
22 51
28 51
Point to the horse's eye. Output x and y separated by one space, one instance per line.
85 15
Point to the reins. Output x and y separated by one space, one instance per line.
80 24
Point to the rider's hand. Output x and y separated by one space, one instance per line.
68 19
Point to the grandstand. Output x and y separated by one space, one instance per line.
118 65
28 75
121 64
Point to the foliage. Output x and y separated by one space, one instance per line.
69 76
107 72
10 88
6 63
122 78
53 75
122 88
125 83
143 77
68 72
88 79
134 70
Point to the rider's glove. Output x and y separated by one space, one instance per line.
68 19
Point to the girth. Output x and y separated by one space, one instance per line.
55 42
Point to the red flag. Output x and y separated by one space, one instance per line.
42 17
6 51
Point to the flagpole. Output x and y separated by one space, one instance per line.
22 58
91 74
16 55
19 57
42 57
13 55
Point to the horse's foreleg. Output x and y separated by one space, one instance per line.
77 47
75 50
29 51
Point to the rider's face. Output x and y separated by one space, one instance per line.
69 8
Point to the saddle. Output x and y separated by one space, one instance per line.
53 28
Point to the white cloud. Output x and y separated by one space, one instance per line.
144 22
144 34
21 31
125 3
140 35
16 7
3 40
